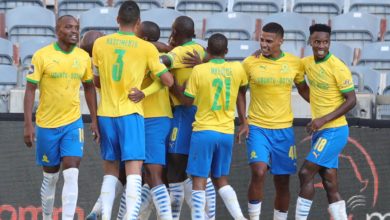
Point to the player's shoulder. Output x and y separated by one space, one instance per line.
44 50
337 61
81 53
291 57
307 59
250 59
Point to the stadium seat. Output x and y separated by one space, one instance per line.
200 9
234 25
366 80
296 28
257 8
387 32
27 22
27 49
340 50
165 24
142 4
376 56
8 76
320 11
380 8
355 29
289 48
238 50
383 101
6 5
76 7
100 19
386 90
6 52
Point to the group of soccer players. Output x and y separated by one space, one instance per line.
159 128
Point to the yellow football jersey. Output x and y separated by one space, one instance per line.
215 85
179 70
59 74
156 104
122 60
270 85
328 79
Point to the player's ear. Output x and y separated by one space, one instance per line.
226 51
117 20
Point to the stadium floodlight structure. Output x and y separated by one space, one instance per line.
76 7
28 22
99 19
355 29
319 11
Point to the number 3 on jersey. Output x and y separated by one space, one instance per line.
218 83
117 67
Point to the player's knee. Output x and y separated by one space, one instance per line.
258 173
304 175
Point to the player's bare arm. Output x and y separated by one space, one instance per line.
350 102
241 110
29 97
303 90
90 97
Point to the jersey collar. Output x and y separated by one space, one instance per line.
126 33
189 43
277 58
217 61
58 48
324 59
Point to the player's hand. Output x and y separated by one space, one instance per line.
136 95
315 125
29 135
257 53
95 132
192 59
242 130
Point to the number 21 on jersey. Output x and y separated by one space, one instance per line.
219 84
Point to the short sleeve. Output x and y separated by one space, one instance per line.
242 74
176 57
88 75
192 84
155 67
245 65
344 79
300 76
36 69
95 54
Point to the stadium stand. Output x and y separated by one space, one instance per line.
340 50
289 48
198 10
100 19
296 28
143 4
355 29
366 79
165 24
203 43
234 25
76 7
6 52
8 79
383 101
6 5
318 11
27 22
257 8
240 49
380 8
377 56
386 34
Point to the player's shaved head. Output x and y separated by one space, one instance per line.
62 19
217 45
274 28
184 27
320 28
150 31
128 13
89 39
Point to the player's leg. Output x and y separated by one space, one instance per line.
200 158
132 142
210 199
72 144
258 152
283 164
220 169
178 149
156 132
48 156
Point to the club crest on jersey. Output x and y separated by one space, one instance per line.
31 69
76 63
285 68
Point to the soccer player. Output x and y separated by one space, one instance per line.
121 61
270 142
58 69
213 87
332 95
183 117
